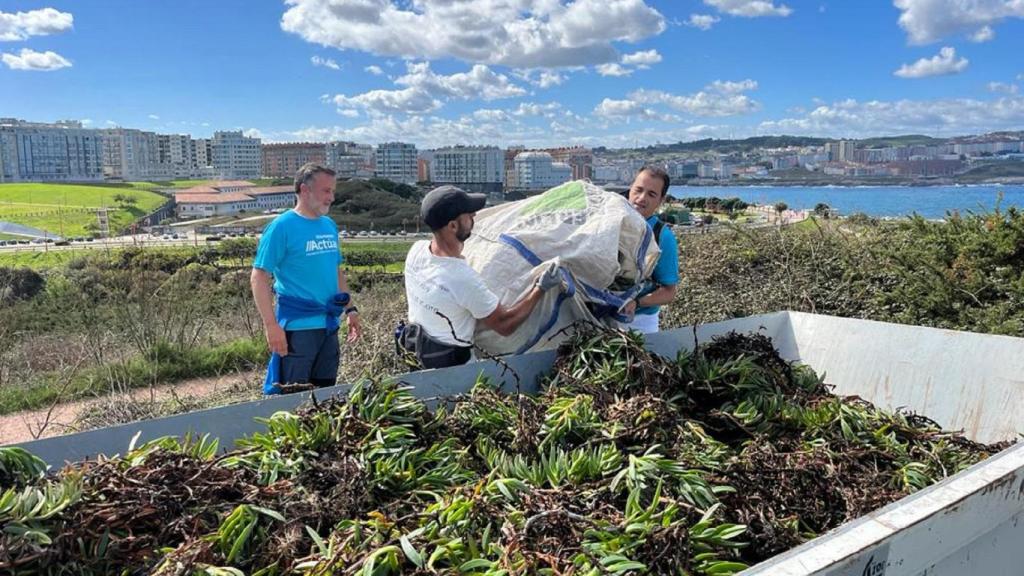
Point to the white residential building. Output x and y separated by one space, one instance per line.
396 161
350 160
536 171
130 154
610 173
60 152
236 155
473 168
178 151
202 151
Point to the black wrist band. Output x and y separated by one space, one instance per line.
351 309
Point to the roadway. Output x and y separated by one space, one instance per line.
185 239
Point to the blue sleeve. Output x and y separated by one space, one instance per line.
666 271
271 249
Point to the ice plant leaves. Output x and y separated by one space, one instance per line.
624 463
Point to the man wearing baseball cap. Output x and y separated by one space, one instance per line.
446 296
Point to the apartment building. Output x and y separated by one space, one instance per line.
40 152
236 155
396 161
178 151
472 168
284 160
351 160
130 154
538 171
579 159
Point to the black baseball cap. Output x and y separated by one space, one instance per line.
446 203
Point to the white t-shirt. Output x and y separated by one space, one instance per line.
449 286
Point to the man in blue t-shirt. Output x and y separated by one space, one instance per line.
300 250
646 195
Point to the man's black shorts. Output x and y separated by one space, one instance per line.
313 357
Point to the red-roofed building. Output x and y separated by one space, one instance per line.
273 197
216 200
198 190
207 205
231 185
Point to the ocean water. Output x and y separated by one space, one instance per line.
891 201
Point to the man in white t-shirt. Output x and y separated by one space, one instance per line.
446 296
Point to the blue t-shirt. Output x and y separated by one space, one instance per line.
303 254
666 271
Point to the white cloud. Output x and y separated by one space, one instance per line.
86 121
154 117
716 99
515 33
750 8
29 59
253 133
479 83
727 87
1003 88
985 34
702 21
375 70
720 98
541 78
23 25
325 62
491 115
613 69
350 113
405 101
943 63
642 59
431 132
549 78
927 21
535 109
110 123
427 91
863 119
702 103
609 108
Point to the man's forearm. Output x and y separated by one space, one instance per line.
263 296
517 313
663 295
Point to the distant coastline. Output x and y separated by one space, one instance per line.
879 201
847 183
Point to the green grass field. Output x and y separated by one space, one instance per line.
70 207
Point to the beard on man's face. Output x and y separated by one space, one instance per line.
462 233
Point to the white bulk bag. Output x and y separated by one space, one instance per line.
602 244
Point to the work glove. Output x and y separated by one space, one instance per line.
551 278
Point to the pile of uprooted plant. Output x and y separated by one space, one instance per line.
624 462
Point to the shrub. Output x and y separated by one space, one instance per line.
19 284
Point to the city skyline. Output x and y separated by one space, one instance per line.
620 73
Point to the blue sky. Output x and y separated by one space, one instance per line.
533 72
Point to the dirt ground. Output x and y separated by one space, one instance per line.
30 425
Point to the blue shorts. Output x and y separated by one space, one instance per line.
313 357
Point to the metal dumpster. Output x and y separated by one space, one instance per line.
971 523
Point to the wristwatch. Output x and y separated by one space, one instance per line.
350 310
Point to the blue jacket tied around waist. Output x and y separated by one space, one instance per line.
291 308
